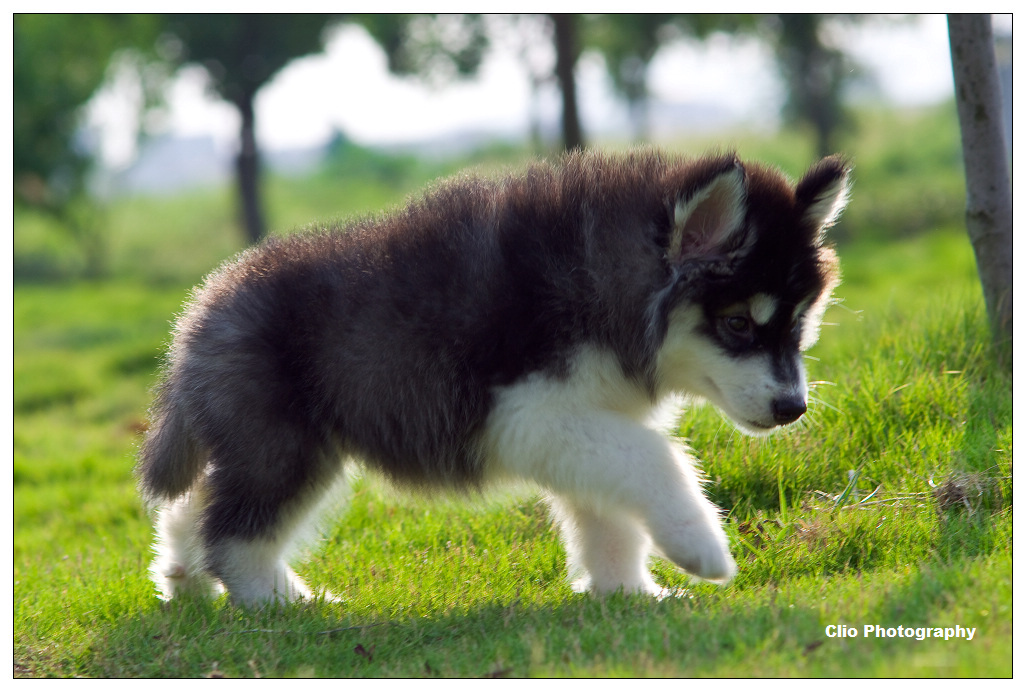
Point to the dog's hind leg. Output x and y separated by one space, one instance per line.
607 550
180 564
255 570
263 494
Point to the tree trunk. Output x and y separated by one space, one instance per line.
988 187
566 59
248 173
813 73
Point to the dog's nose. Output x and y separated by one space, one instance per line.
788 410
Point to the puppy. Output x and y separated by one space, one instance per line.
525 328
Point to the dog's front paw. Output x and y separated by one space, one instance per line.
715 565
704 554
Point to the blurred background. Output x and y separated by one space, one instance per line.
147 149
358 110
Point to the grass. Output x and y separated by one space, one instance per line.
890 505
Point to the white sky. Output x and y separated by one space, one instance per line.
349 88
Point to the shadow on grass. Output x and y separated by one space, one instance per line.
762 630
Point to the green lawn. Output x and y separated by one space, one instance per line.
889 505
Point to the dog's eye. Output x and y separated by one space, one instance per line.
738 324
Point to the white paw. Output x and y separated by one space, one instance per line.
717 566
705 556
175 579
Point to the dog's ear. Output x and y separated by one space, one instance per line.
823 192
709 220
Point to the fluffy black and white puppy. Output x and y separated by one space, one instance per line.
527 328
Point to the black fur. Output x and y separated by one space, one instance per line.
384 339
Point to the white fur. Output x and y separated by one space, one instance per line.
828 205
253 571
618 487
605 551
743 388
179 565
256 572
762 307
813 319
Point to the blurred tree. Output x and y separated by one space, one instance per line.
530 37
567 51
814 72
434 48
59 62
988 186
628 42
561 33
241 53
439 48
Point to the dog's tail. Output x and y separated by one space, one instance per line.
170 458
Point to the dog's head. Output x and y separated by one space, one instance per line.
751 279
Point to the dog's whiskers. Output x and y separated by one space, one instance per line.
821 402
